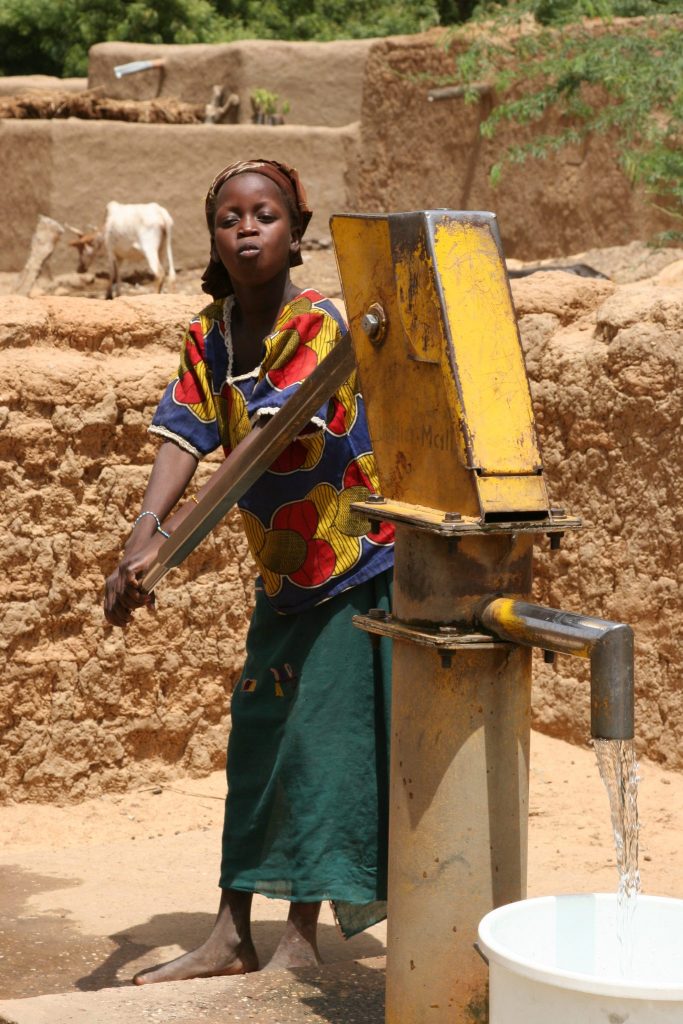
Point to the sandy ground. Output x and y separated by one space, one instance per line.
90 893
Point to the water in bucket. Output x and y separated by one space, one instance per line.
594 958
557 960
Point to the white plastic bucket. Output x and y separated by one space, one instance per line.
557 960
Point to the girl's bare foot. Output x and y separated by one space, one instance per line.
203 962
298 946
228 949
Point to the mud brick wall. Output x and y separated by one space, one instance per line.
85 708
606 366
420 155
69 170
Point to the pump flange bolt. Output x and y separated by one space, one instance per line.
377 613
374 323
371 324
452 517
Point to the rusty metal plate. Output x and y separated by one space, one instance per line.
452 524
441 638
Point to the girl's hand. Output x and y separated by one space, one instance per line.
122 590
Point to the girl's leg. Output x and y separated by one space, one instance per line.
228 949
298 947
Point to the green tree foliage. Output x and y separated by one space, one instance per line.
329 19
624 78
453 11
53 36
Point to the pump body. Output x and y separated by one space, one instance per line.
449 409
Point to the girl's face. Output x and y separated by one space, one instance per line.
253 234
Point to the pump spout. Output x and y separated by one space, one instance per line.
608 645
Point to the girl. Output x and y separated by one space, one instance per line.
307 757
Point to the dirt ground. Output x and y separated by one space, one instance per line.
319 268
622 264
91 893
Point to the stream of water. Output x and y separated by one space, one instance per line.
619 772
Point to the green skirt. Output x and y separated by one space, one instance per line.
307 806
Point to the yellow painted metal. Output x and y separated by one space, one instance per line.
499 494
486 351
407 385
435 521
448 401
418 299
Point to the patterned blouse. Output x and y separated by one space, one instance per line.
306 540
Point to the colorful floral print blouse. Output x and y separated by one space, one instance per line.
306 540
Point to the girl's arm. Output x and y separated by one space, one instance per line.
172 471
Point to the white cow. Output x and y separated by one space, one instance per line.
138 231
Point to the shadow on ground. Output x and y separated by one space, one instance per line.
41 953
45 953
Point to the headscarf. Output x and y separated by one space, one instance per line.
215 279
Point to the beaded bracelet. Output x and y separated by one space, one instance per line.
156 519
